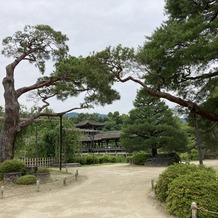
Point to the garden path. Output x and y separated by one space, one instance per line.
108 191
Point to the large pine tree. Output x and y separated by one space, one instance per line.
152 126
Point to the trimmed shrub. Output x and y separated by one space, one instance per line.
193 155
80 159
10 166
120 158
185 157
100 159
43 170
113 159
129 159
26 180
172 172
91 159
107 158
140 158
200 187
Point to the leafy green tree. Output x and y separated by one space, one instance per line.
42 139
178 61
115 121
72 76
152 127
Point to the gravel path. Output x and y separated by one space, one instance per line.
115 191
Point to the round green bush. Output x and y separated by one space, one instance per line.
172 172
200 187
26 180
140 158
10 166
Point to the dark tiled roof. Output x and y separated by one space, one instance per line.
89 123
109 135
102 136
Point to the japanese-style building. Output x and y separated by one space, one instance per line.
95 140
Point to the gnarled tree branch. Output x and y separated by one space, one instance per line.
185 103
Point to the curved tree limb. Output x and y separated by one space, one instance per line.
189 104
31 119
203 76
40 84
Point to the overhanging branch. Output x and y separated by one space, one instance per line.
203 76
40 84
189 104
31 119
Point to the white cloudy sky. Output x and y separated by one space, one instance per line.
91 25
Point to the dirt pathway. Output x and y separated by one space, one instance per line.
115 191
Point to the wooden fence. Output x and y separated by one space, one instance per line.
39 162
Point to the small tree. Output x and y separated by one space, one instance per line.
151 126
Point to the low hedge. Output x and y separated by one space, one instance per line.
165 178
10 166
181 184
140 158
43 170
199 187
99 159
129 159
26 180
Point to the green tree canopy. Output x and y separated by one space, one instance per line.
178 61
114 121
151 126
72 76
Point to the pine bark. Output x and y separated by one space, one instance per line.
10 126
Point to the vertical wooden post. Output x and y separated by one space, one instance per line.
37 185
65 181
152 184
194 210
61 143
76 174
36 164
2 191
198 140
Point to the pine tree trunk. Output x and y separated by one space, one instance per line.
198 141
10 125
154 152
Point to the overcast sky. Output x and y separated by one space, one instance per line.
91 25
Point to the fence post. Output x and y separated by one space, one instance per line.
194 210
2 191
76 174
65 181
38 184
152 184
